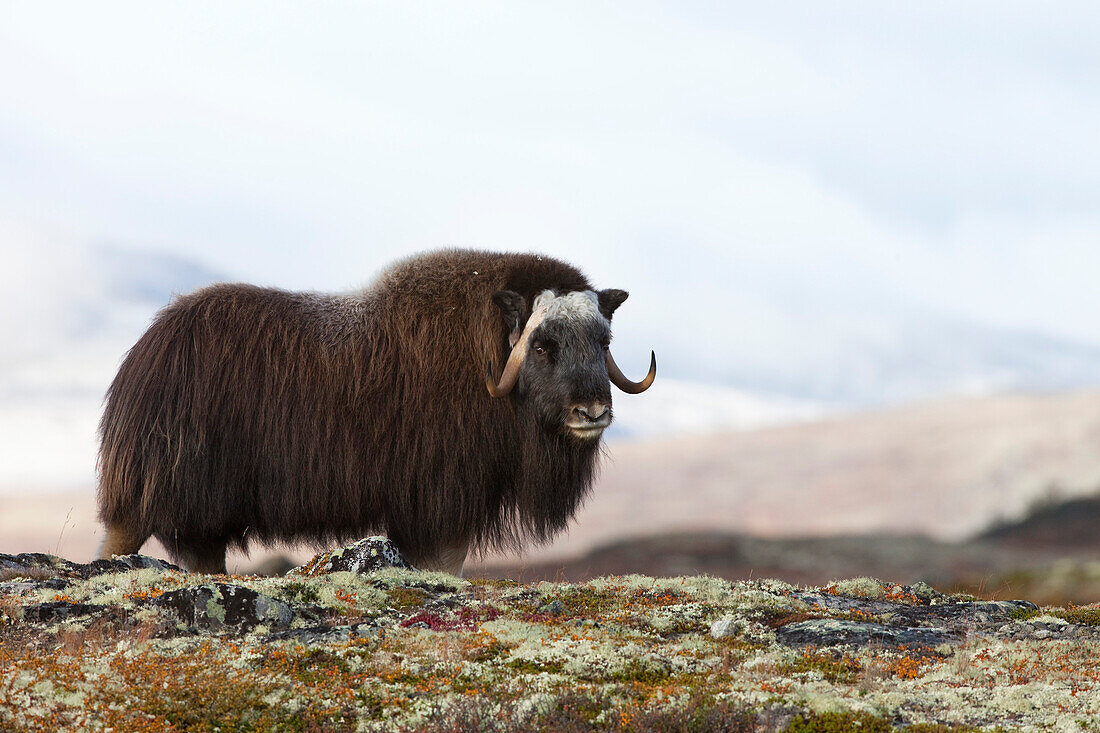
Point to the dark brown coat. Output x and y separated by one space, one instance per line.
248 413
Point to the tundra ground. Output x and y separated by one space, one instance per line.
135 644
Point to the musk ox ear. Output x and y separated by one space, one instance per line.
512 307
611 299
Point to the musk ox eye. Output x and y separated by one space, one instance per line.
540 349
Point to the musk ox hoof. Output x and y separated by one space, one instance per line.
365 556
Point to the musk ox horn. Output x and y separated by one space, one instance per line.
620 381
510 374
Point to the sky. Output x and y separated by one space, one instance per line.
704 156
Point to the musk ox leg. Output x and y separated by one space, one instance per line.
447 559
120 540
207 558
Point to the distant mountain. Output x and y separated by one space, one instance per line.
834 338
920 356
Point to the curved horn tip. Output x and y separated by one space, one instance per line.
626 385
490 383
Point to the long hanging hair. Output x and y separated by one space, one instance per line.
248 413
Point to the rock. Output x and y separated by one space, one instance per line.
554 608
924 592
125 563
833 632
38 565
56 611
17 588
316 635
954 614
729 626
221 607
365 556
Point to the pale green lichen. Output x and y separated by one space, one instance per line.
702 588
747 598
869 588
680 617
1046 618
620 640
426 579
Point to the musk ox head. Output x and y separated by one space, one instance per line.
560 365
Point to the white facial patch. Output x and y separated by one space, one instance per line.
577 307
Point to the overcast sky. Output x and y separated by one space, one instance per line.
942 153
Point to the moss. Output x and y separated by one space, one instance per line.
537 666
583 601
493 583
374 704
296 592
310 666
1023 614
831 667
190 698
403 598
839 723
494 649
777 618
637 670
35 573
1085 616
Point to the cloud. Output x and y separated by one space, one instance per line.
943 155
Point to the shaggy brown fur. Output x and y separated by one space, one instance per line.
248 413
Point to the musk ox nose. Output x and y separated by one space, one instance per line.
595 412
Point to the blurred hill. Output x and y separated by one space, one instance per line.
1051 555
1065 525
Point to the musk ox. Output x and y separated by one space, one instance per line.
248 413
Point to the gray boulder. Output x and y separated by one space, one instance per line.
365 556
226 607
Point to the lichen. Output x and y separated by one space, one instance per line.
858 588
400 650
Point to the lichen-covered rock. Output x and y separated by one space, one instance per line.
909 611
365 556
41 565
226 607
832 632
55 611
319 635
